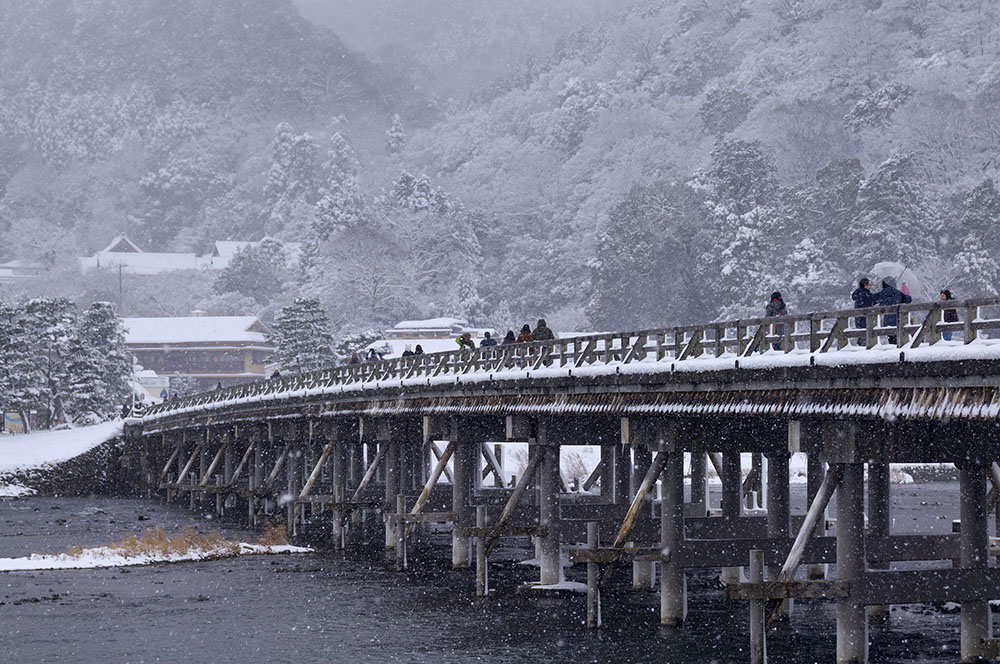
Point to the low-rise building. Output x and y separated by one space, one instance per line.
204 351
432 334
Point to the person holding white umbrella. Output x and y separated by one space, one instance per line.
887 297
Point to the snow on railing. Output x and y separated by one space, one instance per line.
915 325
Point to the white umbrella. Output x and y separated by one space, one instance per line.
903 275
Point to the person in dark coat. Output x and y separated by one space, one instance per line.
373 356
776 307
488 340
419 350
407 352
542 332
508 338
887 297
525 336
863 298
950 315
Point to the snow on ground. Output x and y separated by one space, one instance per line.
14 490
45 448
116 557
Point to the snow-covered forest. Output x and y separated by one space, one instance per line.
605 164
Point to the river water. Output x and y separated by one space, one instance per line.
325 607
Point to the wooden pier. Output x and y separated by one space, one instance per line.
406 443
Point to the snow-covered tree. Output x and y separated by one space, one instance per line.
395 137
894 219
301 337
644 272
39 357
976 262
256 270
293 178
98 365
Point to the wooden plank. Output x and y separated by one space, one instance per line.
425 517
277 466
170 461
931 586
190 462
492 465
779 590
370 473
215 462
437 455
504 531
442 464
324 455
242 464
606 555
515 497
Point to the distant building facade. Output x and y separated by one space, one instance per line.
203 350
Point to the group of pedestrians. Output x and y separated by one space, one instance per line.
864 297
542 332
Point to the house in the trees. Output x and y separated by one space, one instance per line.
433 335
125 255
204 350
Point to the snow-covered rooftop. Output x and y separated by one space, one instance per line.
194 329
432 323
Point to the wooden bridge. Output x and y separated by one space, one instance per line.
409 442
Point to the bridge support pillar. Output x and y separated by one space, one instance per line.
392 488
878 522
461 494
673 585
852 616
548 509
814 477
778 512
642 570
732 483
339 490
975 615
699 484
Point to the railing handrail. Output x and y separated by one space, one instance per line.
684 341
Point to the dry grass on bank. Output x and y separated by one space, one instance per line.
157 542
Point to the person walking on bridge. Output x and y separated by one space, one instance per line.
863 298
508 338
776 307
887 297
525 336
950 315
542 332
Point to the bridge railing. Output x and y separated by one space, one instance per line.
900 326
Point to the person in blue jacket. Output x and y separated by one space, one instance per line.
863 298
887 297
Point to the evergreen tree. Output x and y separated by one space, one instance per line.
744 217
340 205
98 365
976 258
894 220
644 272
293 178
395 138
39 370
257 271
301 337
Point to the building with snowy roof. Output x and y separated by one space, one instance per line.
432 334
208 350
124 254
